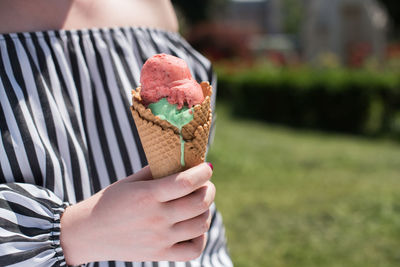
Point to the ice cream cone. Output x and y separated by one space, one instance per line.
161 140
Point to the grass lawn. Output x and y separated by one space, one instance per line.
301 198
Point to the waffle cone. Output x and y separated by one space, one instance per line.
161 140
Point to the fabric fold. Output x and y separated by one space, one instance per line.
66 130
30 226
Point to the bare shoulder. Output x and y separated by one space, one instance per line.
39 15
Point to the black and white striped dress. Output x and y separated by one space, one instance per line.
67 132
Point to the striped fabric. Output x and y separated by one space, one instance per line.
67 132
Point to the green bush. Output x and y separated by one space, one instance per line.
352 101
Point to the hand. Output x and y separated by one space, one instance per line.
141 219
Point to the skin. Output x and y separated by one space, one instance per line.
136 218
141 219
38 15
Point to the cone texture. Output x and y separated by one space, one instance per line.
161 140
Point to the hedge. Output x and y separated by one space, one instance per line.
343 100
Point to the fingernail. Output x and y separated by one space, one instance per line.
211 166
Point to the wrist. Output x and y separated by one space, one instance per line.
75 233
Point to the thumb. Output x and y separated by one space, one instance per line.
142 175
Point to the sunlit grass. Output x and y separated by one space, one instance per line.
302 198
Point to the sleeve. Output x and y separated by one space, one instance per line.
30 226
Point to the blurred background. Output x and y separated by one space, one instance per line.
306 149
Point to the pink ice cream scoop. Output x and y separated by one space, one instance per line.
168 76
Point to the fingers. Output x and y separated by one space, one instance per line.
192 228
178 185
191 205
188 250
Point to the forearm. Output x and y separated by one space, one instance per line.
75 236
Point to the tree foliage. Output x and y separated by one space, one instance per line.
196 11
393 9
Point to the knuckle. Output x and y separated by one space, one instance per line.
212 190
205 199
149 190
203 204
185 183
143 198
157 220
204 226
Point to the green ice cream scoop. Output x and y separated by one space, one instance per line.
166 111
177 117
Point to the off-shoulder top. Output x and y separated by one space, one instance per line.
67 132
